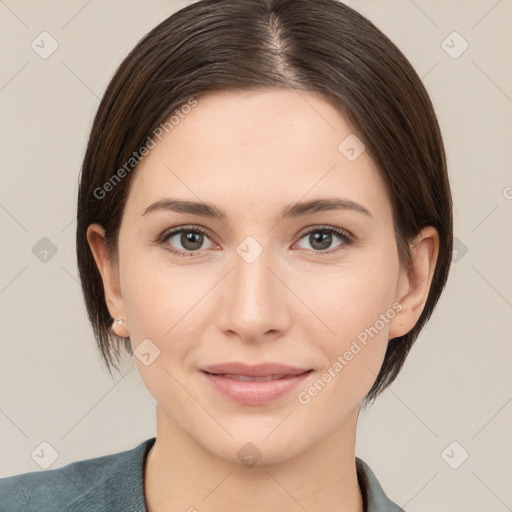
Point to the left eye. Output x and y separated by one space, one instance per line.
321 238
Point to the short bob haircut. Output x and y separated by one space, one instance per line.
319 46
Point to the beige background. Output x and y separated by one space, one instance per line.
457 382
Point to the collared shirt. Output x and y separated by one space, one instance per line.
114 483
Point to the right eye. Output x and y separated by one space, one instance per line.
190 239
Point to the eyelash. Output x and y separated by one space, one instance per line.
345 236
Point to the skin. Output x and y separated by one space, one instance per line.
251 153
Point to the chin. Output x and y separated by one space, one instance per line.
255 450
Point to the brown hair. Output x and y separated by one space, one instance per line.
319 46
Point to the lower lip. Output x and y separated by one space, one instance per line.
255 392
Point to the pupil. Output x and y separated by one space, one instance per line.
324 242
195 239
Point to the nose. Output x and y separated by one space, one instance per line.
254 302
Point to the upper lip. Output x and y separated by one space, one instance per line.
257 370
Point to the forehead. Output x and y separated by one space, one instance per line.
256 149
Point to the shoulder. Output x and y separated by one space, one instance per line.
98 484
375 499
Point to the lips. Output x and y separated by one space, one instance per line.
235 376
269 371
255 384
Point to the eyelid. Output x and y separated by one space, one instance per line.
307 229
326 227
188 227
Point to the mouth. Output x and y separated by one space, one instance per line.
255 390
250 378
272 369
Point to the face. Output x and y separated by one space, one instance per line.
316 290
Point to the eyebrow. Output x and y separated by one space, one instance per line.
293 210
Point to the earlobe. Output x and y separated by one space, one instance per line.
414 285
109 276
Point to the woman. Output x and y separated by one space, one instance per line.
265 224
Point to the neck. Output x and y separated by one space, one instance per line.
180 474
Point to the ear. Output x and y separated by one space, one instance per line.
414 285
110 277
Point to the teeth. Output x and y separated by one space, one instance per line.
247 377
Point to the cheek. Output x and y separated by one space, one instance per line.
162 306
355 306
352 298
358 310
160 299
170 307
